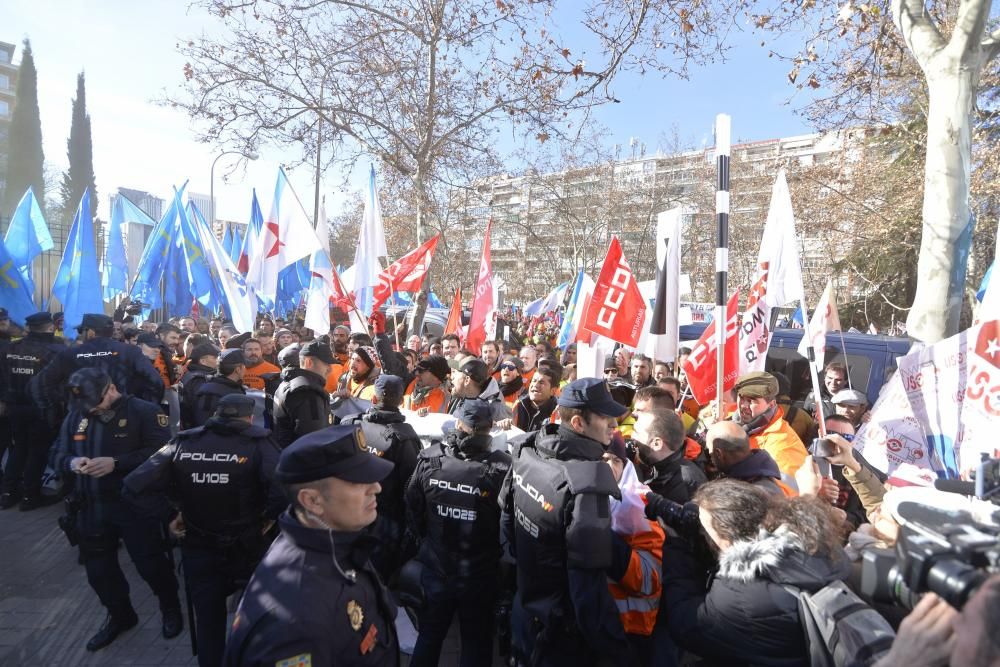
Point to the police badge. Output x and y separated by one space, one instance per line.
356 614
161 419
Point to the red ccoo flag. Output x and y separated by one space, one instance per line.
482 299
700 366
617 309
454 323
406 274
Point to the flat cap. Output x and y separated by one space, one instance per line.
232 406
336 451
238 340
758 384
591 394
317 350
849 397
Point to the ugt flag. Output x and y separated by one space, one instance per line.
617 309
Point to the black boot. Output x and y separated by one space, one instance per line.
114 625
173 622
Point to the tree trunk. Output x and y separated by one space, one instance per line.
946 233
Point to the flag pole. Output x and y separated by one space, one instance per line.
811 357
843 353
395 322
722 148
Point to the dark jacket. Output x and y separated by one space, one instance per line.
191 381
675 478
530 417
758 469
22 361
744 615
131 372
208 395
301 406
314 593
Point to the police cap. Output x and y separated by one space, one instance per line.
203 350
390 388
289 356
336 451
38 319
317 350
86 388
149 339
591 394
476 414
758 384
229 360
477 370
96 321
232 406
437 365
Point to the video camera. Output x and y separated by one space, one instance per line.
945 552
682 518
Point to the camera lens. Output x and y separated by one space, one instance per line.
954 581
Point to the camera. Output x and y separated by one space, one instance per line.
947 553
682 518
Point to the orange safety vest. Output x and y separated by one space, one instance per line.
252 378
336 370
637 594
436 400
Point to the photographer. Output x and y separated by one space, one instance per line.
745 613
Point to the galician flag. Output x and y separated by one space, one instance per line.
825 319
371 246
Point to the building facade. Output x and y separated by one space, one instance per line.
8 88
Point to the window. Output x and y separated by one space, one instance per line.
4 108
4 82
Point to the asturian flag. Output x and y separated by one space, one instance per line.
286 238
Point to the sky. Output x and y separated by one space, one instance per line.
128 52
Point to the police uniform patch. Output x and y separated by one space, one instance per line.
122 423
359 437
356 614
82 426
302 660
161 419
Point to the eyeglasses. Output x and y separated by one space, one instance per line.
508 367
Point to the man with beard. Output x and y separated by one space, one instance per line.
511 381
253 354
450 345
214 326
491 355
389 437
762 420
535 409
301 404
659 440
171 337
641 371
267 350
428 393
340 336
359 380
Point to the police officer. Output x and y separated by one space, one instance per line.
105 436
228 379
315 599
130 372
556 520
220 479
204 362
301 404
390 437
451 507
33 430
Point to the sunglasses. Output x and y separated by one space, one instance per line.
508 367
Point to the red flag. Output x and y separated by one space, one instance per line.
482 300
700 367
341 298
617 309
406 274
454 324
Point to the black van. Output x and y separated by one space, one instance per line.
871 359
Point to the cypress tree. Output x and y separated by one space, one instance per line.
25 157
80 152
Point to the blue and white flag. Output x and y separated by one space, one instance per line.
27 237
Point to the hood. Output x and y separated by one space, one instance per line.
492 391
779 557
758 464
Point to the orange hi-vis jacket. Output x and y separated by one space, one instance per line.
783 444
436 400
637 594
252 378
333 379
161 367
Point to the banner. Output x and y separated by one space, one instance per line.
406 274
941 409
755 332
483 303
824 320
617 309
700 366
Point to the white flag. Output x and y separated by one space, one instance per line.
779 249
825 319
286 238
371 246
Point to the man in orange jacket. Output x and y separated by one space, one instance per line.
762 419
427 391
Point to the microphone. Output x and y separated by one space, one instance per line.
955 486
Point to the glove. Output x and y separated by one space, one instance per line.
377 323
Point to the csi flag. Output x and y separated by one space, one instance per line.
617 309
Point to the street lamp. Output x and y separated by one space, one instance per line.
211 186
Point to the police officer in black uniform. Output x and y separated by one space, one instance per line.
220 479
556 520
451 507
105 436
130 372
315 599
390 437
33 430
227 380
301 404
204 362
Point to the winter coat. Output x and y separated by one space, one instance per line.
744 615
779 440
758 469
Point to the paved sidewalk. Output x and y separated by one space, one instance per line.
48 611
